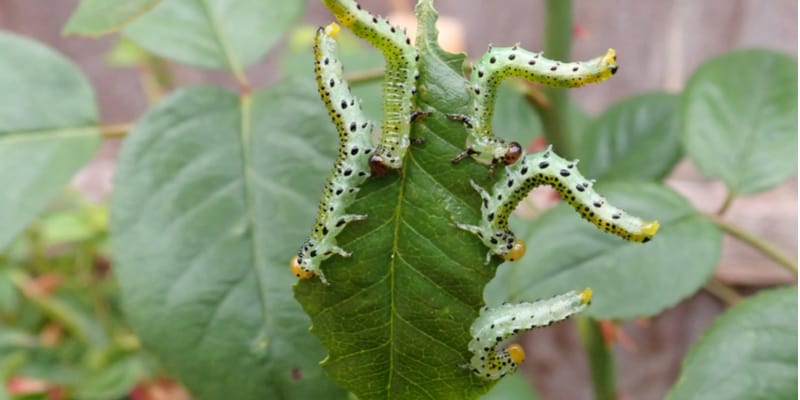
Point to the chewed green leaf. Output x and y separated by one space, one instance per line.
99 17
569 253
48 120
220 34
750 352
395 318
210 191
740 119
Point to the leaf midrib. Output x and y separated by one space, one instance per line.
259 260
48 134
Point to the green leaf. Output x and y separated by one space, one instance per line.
740 119
99 17
514 117
514 387
750 352
628 279
212 191
112 381
219 34
395 318
48 131
637 138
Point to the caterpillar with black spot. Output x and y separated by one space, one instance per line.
399 84
547 168
499 64
351 167
496 324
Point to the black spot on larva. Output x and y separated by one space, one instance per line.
492 60
645 240
564 173
353 126
325 230
544 164
616 216
339 191
575 69
347 172
344 104
325 61
597 204
340 222
392 29
580 187
490 217
512 56
480 74
477 91
332 82
510 183
354 151
553 68
375 20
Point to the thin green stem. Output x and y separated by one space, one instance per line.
115 130
557 46
763 246
726 204
723 292
601 361
367 75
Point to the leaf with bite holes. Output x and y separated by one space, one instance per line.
395 318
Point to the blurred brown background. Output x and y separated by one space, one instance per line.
659 44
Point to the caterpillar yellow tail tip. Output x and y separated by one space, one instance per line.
610 59
332 29
586 296
650 228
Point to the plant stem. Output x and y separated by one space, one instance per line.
765 247
115 130
725 204
723 292
557 46
601 361
367 75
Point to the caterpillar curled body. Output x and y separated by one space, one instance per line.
547 168
496 324
399 84
351 166
499 64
